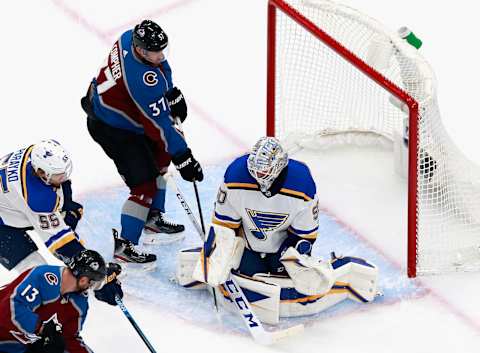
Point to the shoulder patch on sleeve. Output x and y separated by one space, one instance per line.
51 278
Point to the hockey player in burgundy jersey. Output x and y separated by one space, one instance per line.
44 309
132 107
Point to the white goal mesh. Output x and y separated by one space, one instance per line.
318 93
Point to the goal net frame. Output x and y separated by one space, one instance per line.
373 74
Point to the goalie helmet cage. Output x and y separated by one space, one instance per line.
334 71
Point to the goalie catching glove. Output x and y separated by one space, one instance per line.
222 252
309 276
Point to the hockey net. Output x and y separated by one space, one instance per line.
337 76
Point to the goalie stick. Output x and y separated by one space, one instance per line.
255 327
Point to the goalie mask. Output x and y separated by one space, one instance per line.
52 158
266 161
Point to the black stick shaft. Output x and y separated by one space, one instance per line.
199 207
134 324
197 196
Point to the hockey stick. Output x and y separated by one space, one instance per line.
203 232
178 122
200 230
199 206
134 324
258 332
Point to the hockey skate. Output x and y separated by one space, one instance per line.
126 253
158 230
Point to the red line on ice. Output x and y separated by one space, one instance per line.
438 297
105 37
75 16
152 14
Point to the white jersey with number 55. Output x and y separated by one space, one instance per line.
26 201
268 221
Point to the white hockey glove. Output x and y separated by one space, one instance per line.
222 252
309 276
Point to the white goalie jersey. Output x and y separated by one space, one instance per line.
25 201
268 221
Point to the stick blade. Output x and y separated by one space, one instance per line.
272 337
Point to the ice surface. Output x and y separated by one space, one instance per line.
53 48
103 210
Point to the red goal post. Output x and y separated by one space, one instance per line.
293 21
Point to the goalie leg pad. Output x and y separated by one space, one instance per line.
273 297
263 297
294 304
186 261
222 252
357 276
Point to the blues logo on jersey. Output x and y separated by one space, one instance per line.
265 222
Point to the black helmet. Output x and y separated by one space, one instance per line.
88 263
149 36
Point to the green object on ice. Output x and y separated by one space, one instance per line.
410 37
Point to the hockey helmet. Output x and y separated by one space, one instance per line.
90 264
52 158
149 36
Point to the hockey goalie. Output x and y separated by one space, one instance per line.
264 225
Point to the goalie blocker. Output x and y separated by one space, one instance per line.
312 285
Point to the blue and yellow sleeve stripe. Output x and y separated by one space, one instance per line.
305 234
242 186
60 239
23 172
296 194
226 221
